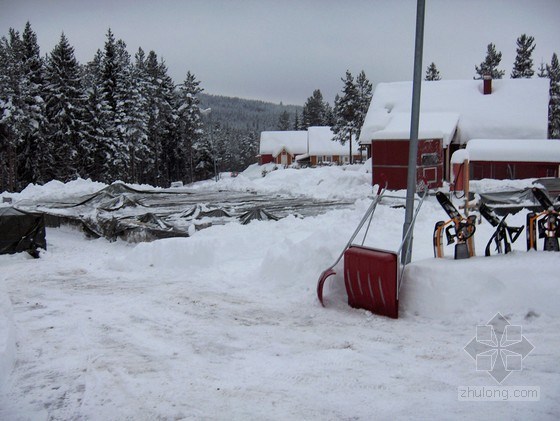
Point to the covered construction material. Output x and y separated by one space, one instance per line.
120 211
21 231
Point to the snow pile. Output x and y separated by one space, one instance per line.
479 285
7 336
56 190
336 182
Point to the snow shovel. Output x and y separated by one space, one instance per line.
330 270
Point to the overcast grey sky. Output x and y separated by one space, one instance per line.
282 50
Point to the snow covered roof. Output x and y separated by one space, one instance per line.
315 141
432 126
321 143
272 143
529 150
516 108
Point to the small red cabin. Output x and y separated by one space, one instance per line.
513 158
390 162
282 147
389 149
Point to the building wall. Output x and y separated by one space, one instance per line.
284 158
266 159
512 170
390 162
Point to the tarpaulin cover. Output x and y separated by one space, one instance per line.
513 201
21 231
120 211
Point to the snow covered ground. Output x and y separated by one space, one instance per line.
226 324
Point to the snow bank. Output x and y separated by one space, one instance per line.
519 283
336 182
7 336
55 190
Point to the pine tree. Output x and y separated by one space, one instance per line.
365 93
329 118
314 111
542 72
131 129
93 154
347 111
138 116
489 67
205 156
296 121
432 73
115 88
554 105
12 121
284 121
32 153
161 121
190 127
64 110
523 65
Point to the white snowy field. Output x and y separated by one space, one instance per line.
226 324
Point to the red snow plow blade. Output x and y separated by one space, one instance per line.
372 276
330 270
371 279
321 283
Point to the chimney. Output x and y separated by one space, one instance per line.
487 87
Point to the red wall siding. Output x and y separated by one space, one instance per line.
512 170
390 160
266 159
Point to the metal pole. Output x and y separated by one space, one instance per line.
414 122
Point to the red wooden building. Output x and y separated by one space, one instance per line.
282 147
391 162
314 146
452 113
389 148
513 158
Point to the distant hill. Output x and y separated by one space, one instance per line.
246 114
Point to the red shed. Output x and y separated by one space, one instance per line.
389 149
513 158
282 147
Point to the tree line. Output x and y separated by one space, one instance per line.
523 67
117 117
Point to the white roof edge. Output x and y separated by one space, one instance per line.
520 150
